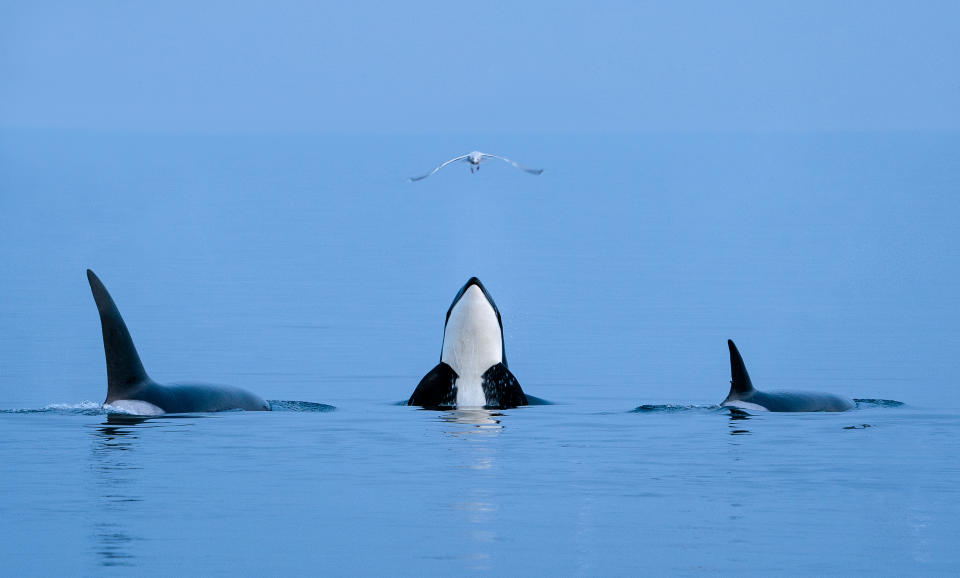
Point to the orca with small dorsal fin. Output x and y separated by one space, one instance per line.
473 362
744 396
131 389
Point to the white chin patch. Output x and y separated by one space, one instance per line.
745 405
134 406
472 343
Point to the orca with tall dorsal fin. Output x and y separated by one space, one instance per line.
744 396
131 389
473 362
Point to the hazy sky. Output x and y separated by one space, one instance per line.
483 66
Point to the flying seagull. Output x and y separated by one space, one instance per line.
475 158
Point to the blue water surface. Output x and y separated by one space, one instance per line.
307 269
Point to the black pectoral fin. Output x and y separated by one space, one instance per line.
501 388
437 388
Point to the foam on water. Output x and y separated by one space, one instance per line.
672 408
299 406
135 407
83 408
865 403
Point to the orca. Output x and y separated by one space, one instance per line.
473 362
131 389
744 396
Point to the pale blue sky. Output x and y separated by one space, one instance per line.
490 66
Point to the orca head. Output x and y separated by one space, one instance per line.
473 331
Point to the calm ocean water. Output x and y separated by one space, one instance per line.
306 269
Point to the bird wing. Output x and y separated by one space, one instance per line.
515 163
438 167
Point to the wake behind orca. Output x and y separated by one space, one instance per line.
473 362
131 389
744 396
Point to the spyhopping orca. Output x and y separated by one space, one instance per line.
744 396
130 388
473 363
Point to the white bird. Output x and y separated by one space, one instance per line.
475 158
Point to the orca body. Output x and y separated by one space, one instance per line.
473 363
744 396
130 388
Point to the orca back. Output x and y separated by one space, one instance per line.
127 381
745 396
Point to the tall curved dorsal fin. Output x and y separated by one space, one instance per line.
124 368
739 378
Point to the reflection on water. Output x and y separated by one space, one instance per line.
479 420
737 419
118 419
114 466
480 511
477 503
113 545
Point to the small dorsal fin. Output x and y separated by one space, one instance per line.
124 369
739 378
